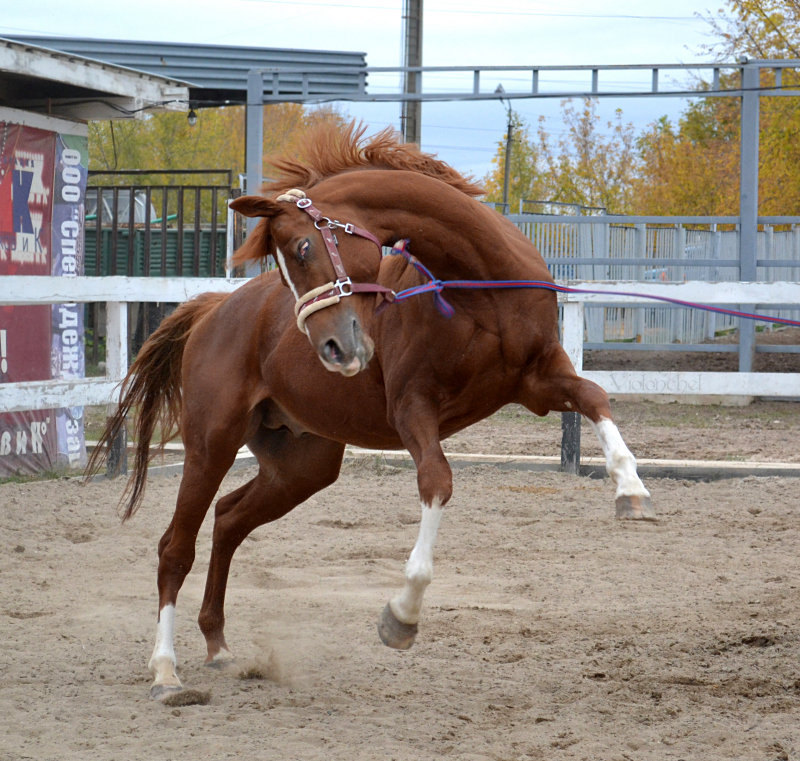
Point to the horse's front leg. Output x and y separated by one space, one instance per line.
398 623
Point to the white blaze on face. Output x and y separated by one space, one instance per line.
285 272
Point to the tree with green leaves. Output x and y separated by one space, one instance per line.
584 167
527 178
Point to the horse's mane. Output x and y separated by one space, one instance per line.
328 149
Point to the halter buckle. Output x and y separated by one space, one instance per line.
344 286
331 224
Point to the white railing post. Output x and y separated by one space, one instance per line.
572 333
116 340
116 369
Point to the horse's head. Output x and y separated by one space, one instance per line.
311 251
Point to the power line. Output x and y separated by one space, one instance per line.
478 12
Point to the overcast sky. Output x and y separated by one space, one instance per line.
455 33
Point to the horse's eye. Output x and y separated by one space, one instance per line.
302 250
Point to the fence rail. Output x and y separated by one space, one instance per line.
116 292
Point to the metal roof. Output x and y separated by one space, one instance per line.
53 82
216 74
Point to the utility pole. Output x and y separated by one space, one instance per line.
411 114
507 174
500 90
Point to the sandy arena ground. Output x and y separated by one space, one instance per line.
551 630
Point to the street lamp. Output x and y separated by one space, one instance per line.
500 90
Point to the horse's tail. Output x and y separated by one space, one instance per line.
152 390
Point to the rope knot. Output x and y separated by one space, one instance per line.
434 285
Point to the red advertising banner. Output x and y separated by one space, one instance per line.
28 440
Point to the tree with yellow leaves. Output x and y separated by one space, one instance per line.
217 141
692 167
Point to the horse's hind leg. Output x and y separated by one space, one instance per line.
291 469
175 557
554 386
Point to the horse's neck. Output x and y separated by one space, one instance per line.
453 235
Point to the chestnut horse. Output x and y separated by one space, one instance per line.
230 370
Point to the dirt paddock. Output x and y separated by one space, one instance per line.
551 630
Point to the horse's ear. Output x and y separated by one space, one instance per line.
258 245
257 206
259 242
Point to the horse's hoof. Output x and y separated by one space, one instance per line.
635 507
187 698
222 660
163 691
394 633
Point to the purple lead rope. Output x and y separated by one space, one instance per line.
436 287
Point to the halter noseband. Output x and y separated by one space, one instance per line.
333 292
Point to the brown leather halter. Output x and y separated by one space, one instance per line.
333 292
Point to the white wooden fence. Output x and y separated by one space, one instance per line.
748 297
117 291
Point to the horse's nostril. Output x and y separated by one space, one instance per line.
333 352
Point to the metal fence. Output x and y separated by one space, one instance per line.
156 229
593 248
147 228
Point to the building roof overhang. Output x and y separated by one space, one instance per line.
65 85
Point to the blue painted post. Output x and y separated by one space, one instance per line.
254 142
748 203
254 148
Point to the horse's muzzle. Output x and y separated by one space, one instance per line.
346 349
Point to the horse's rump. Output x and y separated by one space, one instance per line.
152 390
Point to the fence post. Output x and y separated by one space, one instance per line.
716 249
254 146
640 252
769 253
676 321
748 204
116 368
572 341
